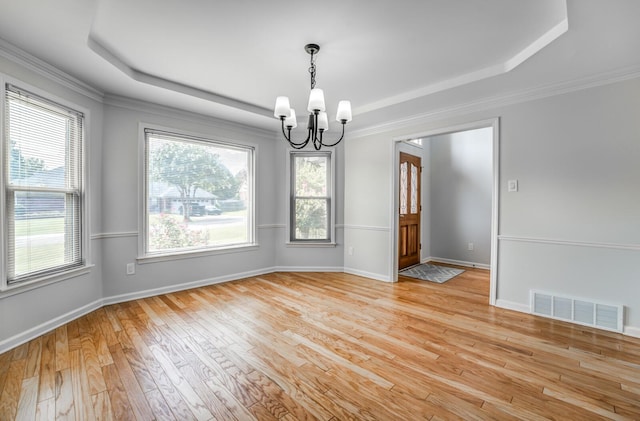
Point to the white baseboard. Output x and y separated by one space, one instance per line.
376 276
632 331
456 262
48 326
510 305
184 286
307 269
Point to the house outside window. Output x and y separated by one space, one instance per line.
198 194
43 187
311 197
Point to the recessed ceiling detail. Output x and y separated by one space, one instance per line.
243 54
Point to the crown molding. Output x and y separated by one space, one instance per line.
43 68
512 98
189 116
139 76
500 68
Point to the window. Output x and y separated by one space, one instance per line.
198 194
311 190
43 186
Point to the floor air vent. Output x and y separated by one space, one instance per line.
588 313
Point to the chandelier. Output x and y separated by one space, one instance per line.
318 121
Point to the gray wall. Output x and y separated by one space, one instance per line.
574 226
460 169
29 311
121 201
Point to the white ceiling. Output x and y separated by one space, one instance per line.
230 59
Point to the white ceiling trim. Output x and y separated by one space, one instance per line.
43 68
188 116
495 70
537 45
139 76
516 97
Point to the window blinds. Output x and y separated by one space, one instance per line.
43 176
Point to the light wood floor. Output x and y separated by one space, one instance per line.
321 346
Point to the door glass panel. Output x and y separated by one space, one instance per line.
414 189
403 188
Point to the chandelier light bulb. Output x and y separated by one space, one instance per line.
291 120
323 121
316 100
344 111
282 107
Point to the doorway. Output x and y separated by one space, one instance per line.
410 209
400 146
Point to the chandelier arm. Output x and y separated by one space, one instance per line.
295 145
298 146
329 145
283 132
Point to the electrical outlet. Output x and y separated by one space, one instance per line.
131 268
512 185
350 250
470 246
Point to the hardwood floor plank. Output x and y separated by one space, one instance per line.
34 355
21 351
46 410
80 387
139 368
325 346
65 406
190 397
5 361
28 399
47 369
11 392
92 365
107 330
206 356
102 406
120 405
100 342
159 406
299 383
136 397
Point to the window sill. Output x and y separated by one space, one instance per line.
22 287
195 254
314 244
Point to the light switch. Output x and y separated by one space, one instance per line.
512 185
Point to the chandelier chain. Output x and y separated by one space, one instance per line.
312 71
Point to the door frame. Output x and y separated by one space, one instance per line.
419 157
494 123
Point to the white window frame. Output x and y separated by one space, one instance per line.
6 288
290 241
143 211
